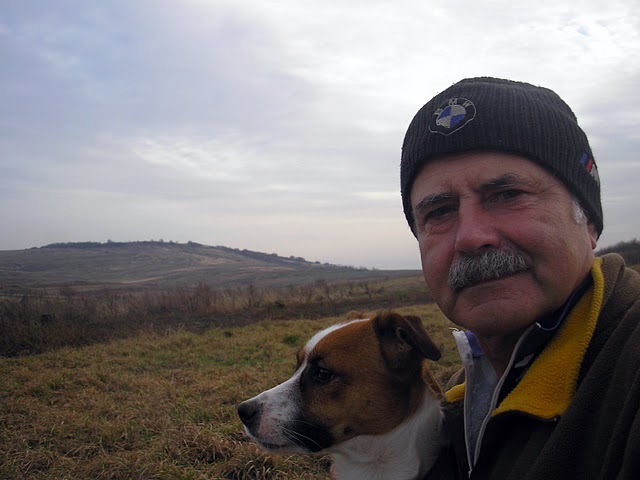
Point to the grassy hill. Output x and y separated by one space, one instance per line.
82 293
157 265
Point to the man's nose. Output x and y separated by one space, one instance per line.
476 230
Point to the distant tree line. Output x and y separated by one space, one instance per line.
110 243
268 257
629 250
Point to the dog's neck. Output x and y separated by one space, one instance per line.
405 453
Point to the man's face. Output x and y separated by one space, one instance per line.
466 204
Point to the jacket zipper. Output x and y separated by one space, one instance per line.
492 406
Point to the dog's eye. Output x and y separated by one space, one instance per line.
323 375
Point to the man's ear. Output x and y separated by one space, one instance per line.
593 235
404 341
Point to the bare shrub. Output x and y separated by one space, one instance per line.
42 320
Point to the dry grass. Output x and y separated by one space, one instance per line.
45 320
159 407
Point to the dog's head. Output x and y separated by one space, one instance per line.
363 377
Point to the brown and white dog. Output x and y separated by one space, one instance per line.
362 393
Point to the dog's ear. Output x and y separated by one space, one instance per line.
403 340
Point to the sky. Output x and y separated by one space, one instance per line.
277 126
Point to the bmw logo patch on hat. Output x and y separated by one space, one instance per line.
452 115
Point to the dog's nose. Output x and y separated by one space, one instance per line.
248 412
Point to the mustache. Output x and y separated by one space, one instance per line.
490 265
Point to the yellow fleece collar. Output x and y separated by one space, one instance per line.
550 383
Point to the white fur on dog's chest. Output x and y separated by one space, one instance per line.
404 453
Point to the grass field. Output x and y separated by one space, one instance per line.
160 406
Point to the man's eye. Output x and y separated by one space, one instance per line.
439 213
323 375
507 194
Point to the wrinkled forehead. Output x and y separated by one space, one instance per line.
475 170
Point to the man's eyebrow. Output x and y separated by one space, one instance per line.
430 201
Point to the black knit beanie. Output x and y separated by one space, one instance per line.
502 115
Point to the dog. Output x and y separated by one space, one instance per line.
362 393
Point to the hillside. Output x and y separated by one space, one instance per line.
152 265
76 294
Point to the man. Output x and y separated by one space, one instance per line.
500 188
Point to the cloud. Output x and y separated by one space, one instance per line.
277 126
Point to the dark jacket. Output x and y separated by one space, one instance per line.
576 412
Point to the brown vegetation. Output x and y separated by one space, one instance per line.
50 319
160 406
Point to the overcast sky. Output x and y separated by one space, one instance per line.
276 126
